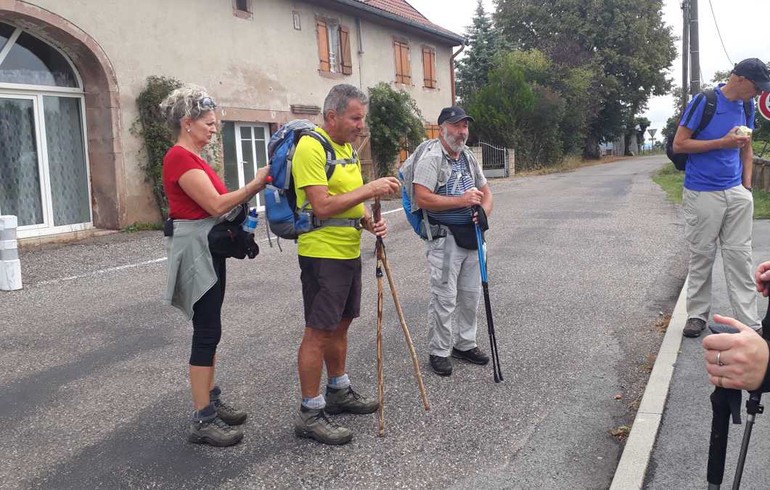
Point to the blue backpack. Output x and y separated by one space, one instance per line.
417 218
284 217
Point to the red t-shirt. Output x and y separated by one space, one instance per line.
176 162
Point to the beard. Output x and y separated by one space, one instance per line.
455 143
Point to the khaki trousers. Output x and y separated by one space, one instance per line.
454 296
723 217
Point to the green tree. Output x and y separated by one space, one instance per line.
484 42
624 44
395 124
642 123
152 127
525 106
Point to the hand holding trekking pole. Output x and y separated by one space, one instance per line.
729 358
382 262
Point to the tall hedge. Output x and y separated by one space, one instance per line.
395 124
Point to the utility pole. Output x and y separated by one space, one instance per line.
685 51
694 48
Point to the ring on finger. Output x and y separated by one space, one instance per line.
719 382
719 360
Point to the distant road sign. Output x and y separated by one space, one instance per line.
764 105
652 132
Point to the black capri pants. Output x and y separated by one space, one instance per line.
207 318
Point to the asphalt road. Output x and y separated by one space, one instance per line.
93 389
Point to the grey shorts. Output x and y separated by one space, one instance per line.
331 290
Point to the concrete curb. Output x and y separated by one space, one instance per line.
632 467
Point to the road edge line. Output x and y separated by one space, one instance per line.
632 467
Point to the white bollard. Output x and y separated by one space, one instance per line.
10 265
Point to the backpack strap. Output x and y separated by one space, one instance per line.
710 98
331 163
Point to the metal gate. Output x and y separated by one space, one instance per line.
494 160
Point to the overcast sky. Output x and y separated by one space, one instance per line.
744 25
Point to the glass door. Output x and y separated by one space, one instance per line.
251 153
43 163
22 186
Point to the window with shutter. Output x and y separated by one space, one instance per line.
429 67
401 54
323 45
334 47
346 61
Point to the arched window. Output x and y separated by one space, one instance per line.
27 60
43 155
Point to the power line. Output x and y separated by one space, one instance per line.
719 33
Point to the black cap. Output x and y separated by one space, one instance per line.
755 70
453 114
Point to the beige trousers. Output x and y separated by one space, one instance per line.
455 295
724 218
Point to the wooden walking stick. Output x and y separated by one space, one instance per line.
378 249
408 337
382 262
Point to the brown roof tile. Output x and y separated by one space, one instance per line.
402 8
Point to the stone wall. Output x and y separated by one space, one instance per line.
761 175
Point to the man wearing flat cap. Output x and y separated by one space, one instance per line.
717 201
450 187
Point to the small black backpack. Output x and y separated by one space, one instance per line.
710 98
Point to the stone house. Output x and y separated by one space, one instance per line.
70 72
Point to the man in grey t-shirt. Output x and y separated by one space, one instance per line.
448 184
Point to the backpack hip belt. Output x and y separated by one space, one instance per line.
322 223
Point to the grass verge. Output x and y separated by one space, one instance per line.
134 227
670 180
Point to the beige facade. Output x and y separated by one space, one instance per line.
261 65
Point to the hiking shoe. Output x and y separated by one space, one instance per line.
347 400
214 432
230 414
471 355
314 424
441 365
693 327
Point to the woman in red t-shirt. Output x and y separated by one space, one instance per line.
195 191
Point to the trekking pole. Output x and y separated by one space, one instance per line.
380 371
405 328
753 407
497 372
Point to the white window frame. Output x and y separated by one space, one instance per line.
335 48
239 153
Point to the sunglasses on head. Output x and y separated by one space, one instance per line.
206 104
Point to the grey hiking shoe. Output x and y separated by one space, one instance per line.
474 355
693 327
314 424
230 414
214 432
347 400
441 365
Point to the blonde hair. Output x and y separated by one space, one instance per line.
187 101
